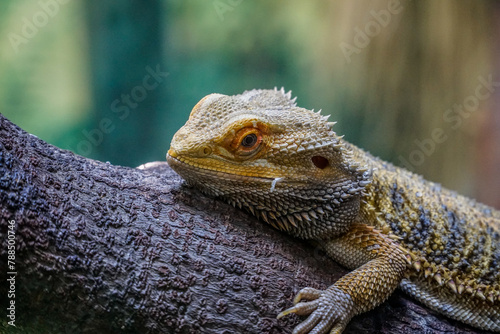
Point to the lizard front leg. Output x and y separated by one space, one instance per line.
380 263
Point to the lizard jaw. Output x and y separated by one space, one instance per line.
265 193
191 172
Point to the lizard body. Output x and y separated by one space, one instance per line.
284 164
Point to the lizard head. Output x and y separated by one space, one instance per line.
259 151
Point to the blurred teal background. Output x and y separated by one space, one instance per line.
114 80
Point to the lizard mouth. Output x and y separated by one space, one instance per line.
188 170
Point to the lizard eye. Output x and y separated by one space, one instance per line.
249 140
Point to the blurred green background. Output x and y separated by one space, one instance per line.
114 80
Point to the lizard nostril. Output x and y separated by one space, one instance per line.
205 151
320 162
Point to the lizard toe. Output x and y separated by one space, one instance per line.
329 313
307 325
338 328
307 294
303 308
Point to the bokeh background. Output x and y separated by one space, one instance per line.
413 82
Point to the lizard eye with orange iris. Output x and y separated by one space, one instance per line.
249 140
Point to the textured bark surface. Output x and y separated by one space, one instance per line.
103 248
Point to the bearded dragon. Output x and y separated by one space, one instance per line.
285 164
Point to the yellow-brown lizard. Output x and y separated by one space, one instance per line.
284 164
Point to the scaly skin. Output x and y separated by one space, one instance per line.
285 165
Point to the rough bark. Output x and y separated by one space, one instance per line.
108 249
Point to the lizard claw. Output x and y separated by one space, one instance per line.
329 310
300 309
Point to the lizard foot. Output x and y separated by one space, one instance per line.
329 310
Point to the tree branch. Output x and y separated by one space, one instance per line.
103 248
